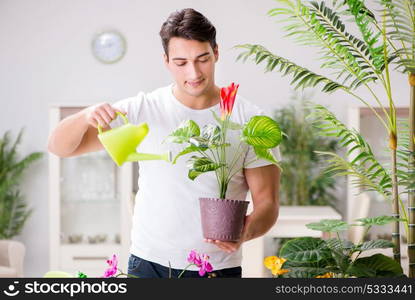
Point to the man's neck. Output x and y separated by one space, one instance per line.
209 99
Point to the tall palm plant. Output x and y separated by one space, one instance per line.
356 61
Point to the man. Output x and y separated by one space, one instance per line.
166 221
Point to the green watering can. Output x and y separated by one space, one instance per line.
121 142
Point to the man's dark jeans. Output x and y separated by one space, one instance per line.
147 269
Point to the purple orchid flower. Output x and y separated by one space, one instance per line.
205 267
201 261
112 270
194 258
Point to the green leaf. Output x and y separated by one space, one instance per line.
375 244
199 165
199 142
380 220
234 126
304 272
360 271
336 244
287 67
14 210
212 133
305 249
379 265
184 132
262 131
231 125
264 153
189 149
328 226
219 120
371 176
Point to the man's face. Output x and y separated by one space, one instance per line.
192 64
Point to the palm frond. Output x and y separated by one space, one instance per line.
341 51
364 167
13 209
302 77
400 22
363 19
13 215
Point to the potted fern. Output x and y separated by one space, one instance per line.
357 61
13 209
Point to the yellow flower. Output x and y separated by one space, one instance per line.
275 263
327 275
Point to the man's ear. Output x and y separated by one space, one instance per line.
216 53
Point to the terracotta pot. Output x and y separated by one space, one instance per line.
222 219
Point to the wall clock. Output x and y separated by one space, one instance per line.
109 46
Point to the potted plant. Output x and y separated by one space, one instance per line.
311 186
13 209
361 60
309 257
223 218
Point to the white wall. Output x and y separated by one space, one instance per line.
45 58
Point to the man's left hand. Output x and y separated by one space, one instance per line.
230 247
226 246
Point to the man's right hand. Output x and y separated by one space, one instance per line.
102 114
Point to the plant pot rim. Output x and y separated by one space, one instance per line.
223 199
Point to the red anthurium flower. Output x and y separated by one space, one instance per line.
227 99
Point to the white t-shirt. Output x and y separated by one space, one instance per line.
166 221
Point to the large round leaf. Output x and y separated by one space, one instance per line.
305 249
379 265
304 272
262 131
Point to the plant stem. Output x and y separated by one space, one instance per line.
223 177
369 106
122 274
181 273
393 146
235 157
411 167
395 208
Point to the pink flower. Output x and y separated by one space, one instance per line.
201 261
194 258
112 270
205 266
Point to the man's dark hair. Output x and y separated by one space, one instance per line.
189 24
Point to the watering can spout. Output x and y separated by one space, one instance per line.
149 156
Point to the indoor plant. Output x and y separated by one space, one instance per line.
311 186
222 218
13 208
194 258
358 61
308 257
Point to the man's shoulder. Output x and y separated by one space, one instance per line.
159 93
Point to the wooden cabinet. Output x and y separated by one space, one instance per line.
90 208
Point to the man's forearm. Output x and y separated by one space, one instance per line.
262 218
67 136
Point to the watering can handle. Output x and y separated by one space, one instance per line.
118 113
